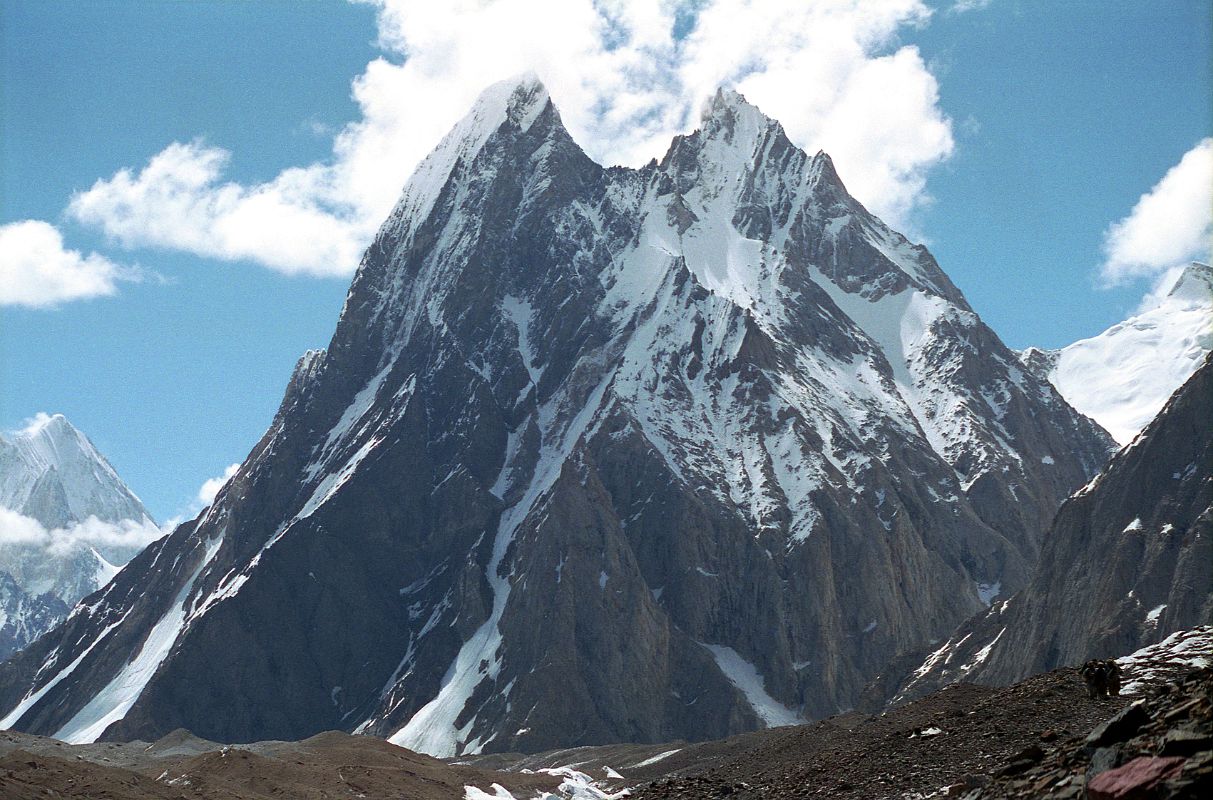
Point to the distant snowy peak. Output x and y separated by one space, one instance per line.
24 615
1193 287
66 521
51 471
1122 377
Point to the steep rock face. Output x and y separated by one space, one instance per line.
67 522
1128 560
594 455
1123 376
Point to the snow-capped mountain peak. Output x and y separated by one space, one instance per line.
66 520
52 472
1194 286
1122 377
729 115
594 454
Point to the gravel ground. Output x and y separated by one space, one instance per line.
183 767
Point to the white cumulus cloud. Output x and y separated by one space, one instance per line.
1170 224
627 75
295 223
211 486
38 271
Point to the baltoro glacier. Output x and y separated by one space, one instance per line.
595 454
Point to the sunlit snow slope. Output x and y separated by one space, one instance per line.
1123 376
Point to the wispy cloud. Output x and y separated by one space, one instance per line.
962 6
626 74
38 271
27 532
1169 225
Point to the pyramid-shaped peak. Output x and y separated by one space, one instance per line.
49 439
1195 283
822 171
519 99
729 118
727 103
48 425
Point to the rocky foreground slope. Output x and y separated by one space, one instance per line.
1159 747
183 767
595 454
1042 737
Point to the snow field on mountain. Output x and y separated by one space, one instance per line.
1122 377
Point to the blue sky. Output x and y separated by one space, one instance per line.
1008 135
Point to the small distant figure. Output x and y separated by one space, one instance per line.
1102 677
1113 677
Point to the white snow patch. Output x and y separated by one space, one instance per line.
745 677
356 410
579 786
1191 648
499 793
655 759
335 480
520 313
982 654
1133 526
